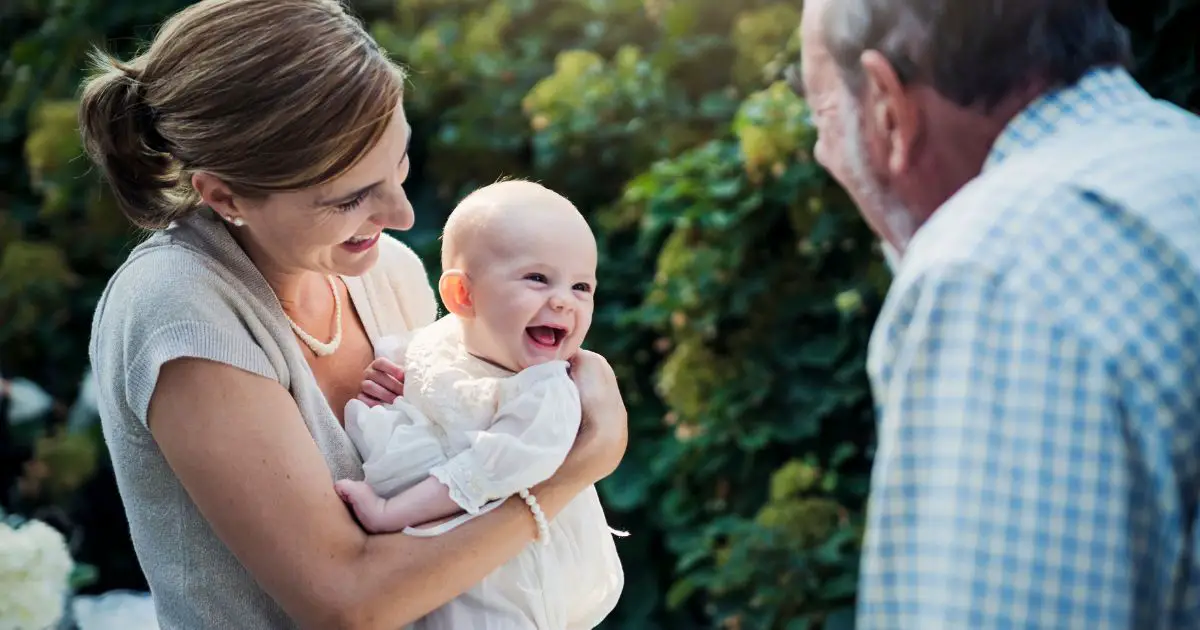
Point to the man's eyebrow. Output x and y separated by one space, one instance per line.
344 199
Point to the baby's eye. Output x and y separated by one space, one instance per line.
537 277
582 286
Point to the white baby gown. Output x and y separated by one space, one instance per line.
486 434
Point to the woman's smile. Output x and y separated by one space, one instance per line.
359 244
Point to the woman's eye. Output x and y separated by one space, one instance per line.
353 203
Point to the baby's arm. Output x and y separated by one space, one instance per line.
534 428
426 502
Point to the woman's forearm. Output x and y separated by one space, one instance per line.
267 496
432 571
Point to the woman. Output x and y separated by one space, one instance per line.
265 143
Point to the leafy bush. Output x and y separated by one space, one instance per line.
738 285
737 288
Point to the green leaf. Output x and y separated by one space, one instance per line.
841 619
799 623
83 576
839 587
841 453
680 592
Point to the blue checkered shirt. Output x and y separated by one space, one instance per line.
1036 369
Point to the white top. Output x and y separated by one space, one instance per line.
488 433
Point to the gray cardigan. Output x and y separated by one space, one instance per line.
190 291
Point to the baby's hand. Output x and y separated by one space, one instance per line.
369 508
383 382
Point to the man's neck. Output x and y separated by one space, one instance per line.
957 143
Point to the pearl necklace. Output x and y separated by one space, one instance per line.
323 349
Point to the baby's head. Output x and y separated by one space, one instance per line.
519 265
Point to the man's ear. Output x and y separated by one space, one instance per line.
455 289
891 111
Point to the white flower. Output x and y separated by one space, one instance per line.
115 610
26 400
84 410
35 567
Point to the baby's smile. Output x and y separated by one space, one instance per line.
546 336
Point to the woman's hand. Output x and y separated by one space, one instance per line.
604 432
383 382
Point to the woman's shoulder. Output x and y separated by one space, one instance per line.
165 279
193 260
171 299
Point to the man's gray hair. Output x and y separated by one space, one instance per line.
975 52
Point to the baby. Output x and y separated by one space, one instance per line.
488 411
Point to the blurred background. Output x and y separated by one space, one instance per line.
738 285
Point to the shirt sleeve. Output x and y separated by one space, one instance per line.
535 426
167 305
1004 493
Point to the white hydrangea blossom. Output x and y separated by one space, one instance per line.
26 399
84 411
35 568
115 610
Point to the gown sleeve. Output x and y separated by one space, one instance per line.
537 418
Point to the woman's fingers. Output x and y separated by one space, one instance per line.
605 420
598 389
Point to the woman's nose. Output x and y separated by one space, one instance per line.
396 212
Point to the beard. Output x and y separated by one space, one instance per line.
874 198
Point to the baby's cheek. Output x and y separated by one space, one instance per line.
585 325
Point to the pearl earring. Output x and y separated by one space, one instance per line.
238 221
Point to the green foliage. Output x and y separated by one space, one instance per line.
737 288
760 364
1166 46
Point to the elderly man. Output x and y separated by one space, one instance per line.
1036 366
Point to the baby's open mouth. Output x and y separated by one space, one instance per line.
546 336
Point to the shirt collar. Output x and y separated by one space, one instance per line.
1096 92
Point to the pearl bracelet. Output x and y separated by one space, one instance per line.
543 527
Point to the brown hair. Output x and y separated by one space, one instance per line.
267 95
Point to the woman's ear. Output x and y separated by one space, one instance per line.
455 289
217 195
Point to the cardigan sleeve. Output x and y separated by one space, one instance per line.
168 304
401 292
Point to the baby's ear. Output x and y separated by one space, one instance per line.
455 289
